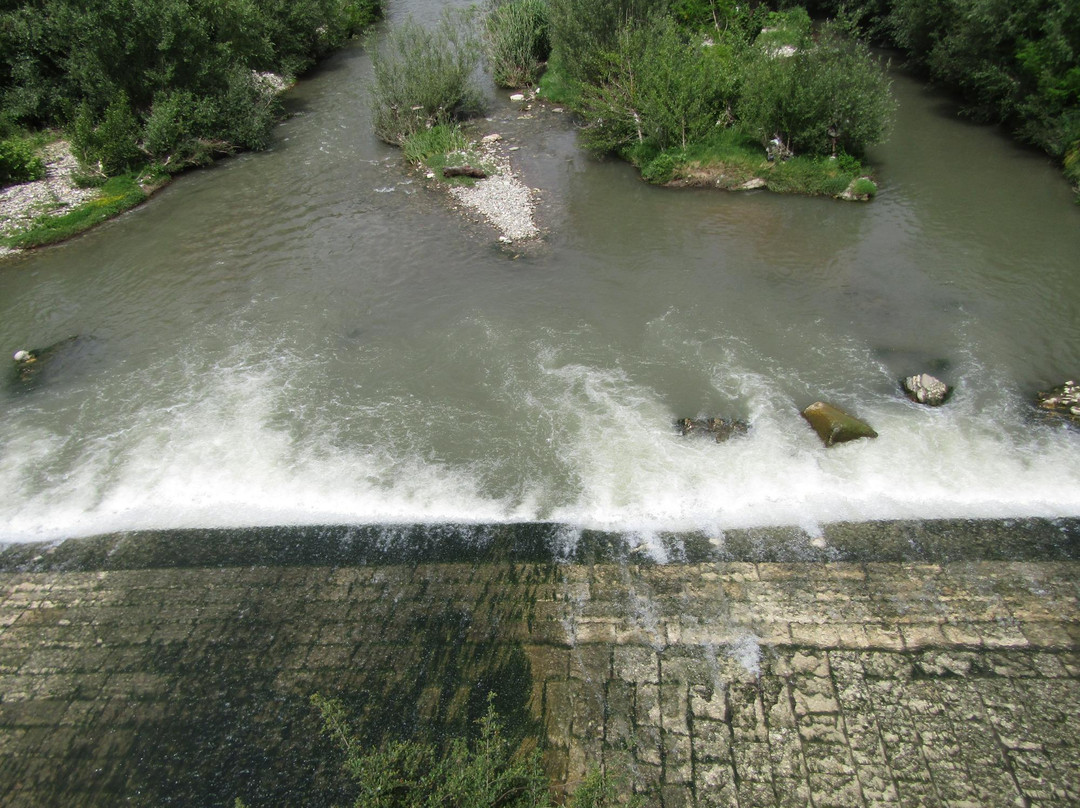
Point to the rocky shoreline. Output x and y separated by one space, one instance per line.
55 194
502 198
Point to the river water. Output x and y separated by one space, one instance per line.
311 335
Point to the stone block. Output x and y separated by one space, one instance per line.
711 741
634 663
835 791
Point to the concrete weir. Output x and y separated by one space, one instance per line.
900 663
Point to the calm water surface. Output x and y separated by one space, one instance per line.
311 335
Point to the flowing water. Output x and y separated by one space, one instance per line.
311 335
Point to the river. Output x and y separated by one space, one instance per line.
312 335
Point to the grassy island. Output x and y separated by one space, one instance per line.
702 92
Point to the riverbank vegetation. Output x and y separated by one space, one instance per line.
146 88
710 93
695 92
1016 64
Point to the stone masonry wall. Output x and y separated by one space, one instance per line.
712 684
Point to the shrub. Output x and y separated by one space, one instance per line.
410 774
829 94
246 111
117 138
423 77
659 84
484 774
516 39
19 162
660 169
864 186
583 31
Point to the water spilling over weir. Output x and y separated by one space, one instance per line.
321 433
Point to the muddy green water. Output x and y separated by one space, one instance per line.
312 335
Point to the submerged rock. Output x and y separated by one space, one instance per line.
29 363
926 389
721 429
833 425
1062 401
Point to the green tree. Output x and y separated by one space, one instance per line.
424 76
660 84
516 40
829 94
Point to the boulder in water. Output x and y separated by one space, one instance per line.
926 389
28 363
834 426
720 429
1062 401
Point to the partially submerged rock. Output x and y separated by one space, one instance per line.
926 389
28 363
834 426
720 429
1062 401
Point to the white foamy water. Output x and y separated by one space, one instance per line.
249 445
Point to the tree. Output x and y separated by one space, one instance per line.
830 93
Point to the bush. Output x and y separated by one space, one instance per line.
829 94
660 169
584 31
484 774
64 64
659 84
116 139
516 39
410 774
424 77
19 162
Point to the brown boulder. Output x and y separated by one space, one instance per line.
834 426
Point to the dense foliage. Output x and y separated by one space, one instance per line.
828 94
1016 63
19 161
517 41
665 77
423 77
169 80
659 83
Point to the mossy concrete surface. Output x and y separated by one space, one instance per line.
128 676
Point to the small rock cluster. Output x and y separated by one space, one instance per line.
833 425
1062 401
719 429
